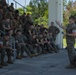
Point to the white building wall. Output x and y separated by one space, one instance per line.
56 13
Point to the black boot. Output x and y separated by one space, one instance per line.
23 56
18 56
9 60
1 66
72 65
3 63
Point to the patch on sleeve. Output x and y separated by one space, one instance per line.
73 28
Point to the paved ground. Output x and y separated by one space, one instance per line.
48 64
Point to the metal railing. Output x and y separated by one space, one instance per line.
24 8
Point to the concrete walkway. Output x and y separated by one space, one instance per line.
46 64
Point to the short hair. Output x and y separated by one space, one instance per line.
12 4
52 22
9 30
72 17
6 34
18 31
24 13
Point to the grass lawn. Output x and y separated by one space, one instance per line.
64 42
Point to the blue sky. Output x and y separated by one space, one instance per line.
23 2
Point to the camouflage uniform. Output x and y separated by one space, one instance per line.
2 51
12 42
7 25
70 42
54 30
36 45
41 43
20 47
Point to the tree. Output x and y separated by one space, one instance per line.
39 10
70 10
21 11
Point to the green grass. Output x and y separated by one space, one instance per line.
64 42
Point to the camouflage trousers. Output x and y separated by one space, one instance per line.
3 53
21 49
71 52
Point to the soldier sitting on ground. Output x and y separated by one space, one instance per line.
6 24
47 44
41 43
4 47
35 44
52 43
21 45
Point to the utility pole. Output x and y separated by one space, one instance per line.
25 5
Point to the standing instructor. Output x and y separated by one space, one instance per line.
70 40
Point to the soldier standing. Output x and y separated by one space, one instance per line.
54 30
70 40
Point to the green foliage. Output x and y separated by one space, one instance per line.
70 10
39 11
21 11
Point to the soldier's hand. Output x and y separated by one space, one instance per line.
48 42
57 22
65 33
36 44
22 43
9 48
50 33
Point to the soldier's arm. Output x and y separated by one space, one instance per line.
37 40
1 46
57 30
42 41
5 27
25 38
5 47
30 32
60 25
73 34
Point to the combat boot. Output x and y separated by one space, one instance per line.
18 57
10 61
1 66
3 63
36 54
31 55
23 56
71 66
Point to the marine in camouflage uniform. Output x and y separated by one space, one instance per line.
70 40
4 44
21 45
54 30
2 52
